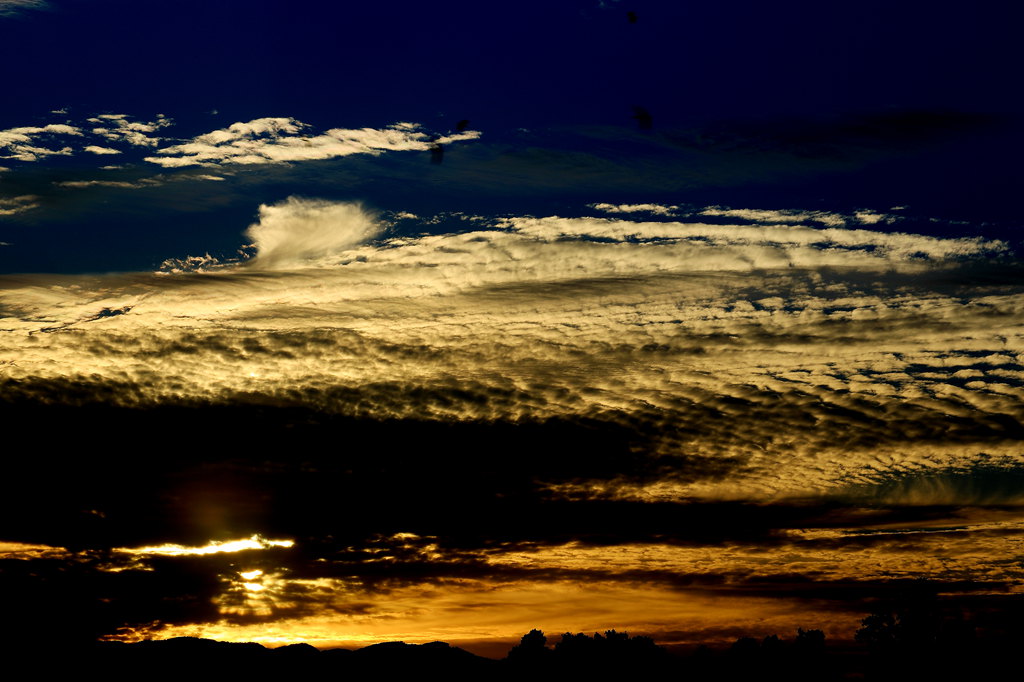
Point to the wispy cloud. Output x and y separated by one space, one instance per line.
119 128
10 8
796 216
281 140
153 181
655 209
95 149
14 205
23 144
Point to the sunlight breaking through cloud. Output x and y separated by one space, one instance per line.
214 547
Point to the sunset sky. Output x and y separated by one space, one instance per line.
346 323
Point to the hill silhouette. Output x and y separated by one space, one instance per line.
916 639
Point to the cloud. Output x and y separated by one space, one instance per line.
281 140
379 527
22 143
152 181
656 209
15 205
746 360
118 128
252 543
34 143
101 150
770 245
300 232
9 8
81 184
25 551
771 420
403 584
795 216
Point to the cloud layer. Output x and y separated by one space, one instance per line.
726 427
803 359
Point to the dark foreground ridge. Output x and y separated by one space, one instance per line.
888 648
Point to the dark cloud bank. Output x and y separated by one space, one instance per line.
344 488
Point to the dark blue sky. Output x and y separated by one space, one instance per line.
790 104
523 63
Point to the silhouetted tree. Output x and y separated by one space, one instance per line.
532 650
809 641
744 647
878 631
920 637
772 650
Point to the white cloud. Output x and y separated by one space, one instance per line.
795 216
23 143
302 232
101 150
203 263
656 209
280 140
754 246
118 128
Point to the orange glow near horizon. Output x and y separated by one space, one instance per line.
677 594
479 614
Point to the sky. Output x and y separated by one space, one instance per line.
343 324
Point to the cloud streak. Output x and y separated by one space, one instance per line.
14 205
282 140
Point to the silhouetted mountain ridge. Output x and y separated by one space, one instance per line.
916 640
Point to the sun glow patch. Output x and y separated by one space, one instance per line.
253 542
